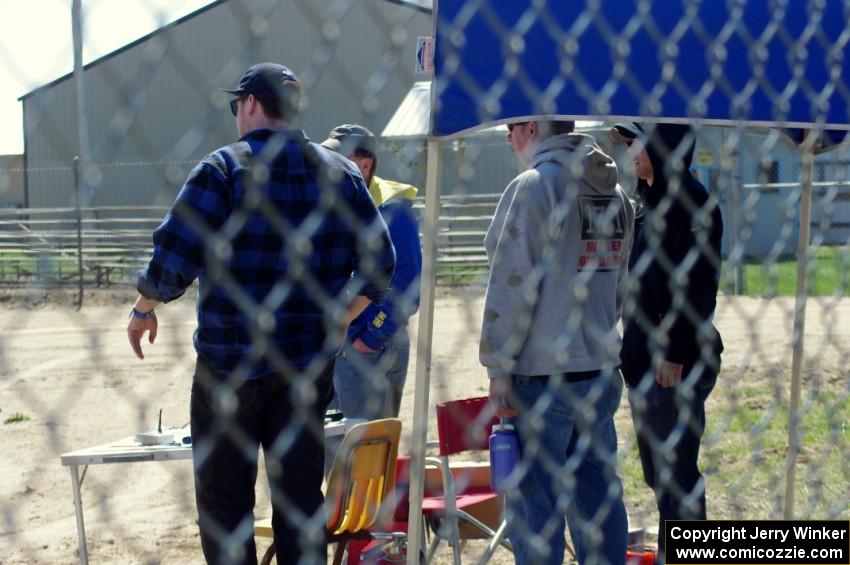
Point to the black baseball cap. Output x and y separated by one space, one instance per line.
347 138
263 79
626 131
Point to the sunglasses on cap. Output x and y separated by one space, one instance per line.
625 135
621 139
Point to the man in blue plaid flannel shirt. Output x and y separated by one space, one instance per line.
288 248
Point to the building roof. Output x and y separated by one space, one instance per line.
411 118
424 6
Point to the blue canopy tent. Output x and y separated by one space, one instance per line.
764 64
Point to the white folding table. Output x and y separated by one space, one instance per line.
128 450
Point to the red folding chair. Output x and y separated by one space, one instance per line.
465 503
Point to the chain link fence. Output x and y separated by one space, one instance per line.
108 149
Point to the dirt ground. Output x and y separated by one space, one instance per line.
73 378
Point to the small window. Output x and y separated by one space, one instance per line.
768 174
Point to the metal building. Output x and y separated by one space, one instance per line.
153 108
759 196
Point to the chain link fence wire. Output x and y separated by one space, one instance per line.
74 233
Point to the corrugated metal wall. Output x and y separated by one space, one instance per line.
154 109
11 181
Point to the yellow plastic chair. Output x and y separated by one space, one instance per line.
359 486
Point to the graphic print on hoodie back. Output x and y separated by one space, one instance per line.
603 229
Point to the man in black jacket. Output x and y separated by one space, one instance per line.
671 349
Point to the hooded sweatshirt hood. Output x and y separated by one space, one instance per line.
599 171
670 148
383 190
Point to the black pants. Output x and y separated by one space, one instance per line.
230 419
669 424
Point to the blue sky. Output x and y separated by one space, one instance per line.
36 44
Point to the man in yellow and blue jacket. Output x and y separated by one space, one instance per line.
371 370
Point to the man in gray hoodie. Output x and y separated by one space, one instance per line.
558 247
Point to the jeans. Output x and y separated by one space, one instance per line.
568 447
230 420
669 424
370 385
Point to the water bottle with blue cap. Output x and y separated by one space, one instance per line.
504 454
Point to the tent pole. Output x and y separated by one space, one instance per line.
434 175
798 337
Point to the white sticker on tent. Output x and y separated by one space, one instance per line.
424 55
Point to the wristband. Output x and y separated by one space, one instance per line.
141 315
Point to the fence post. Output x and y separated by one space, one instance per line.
78 205
730 184
81 162
798 337
738 224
